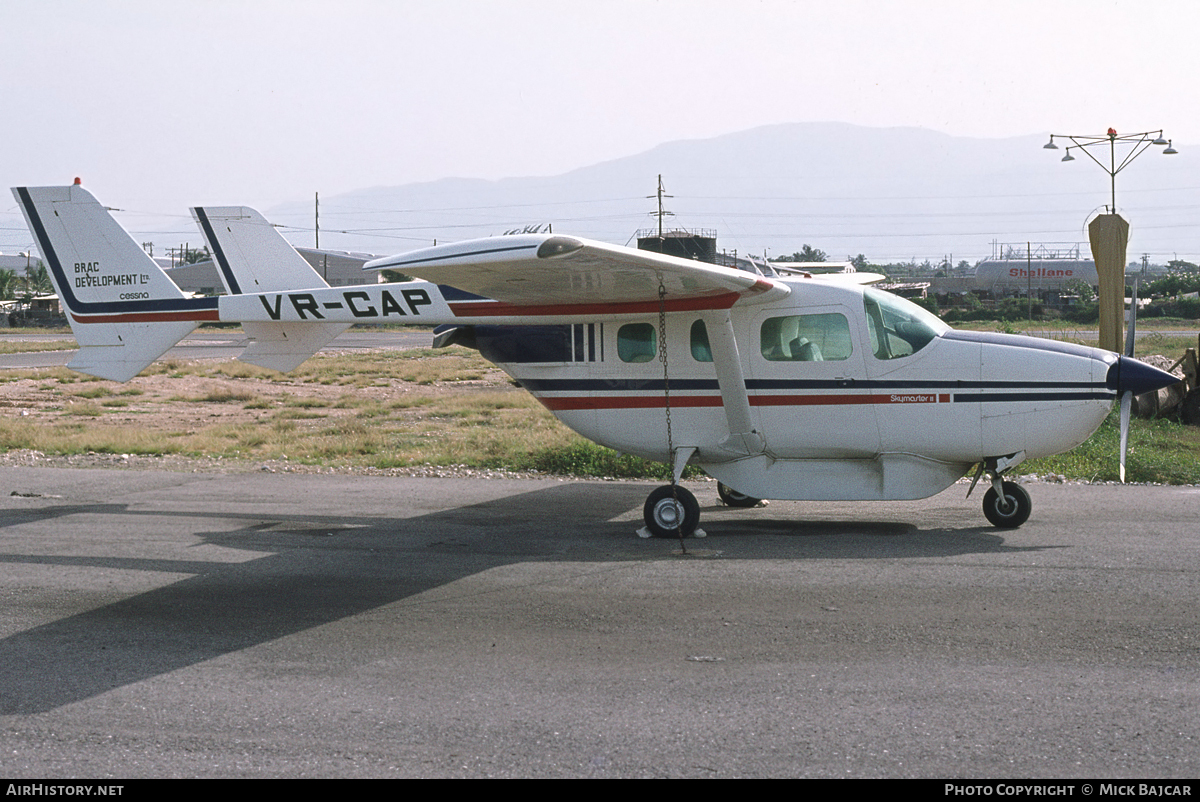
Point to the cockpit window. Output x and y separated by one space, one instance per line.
806 338
898 327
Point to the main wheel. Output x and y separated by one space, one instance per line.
1010 511
733 498
667 518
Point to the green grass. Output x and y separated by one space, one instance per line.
1159 451
388 417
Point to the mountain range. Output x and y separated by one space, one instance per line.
892 194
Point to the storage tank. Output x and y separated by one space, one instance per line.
698 245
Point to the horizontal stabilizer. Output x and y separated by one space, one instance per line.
141 344
283 346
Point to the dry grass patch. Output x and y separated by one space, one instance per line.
360 408
30 346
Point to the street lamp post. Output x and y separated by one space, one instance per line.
1109 233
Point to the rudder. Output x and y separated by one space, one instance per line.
252 257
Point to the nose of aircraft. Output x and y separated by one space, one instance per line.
1130 375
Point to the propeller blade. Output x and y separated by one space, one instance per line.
1126 402
1127 397
1131 333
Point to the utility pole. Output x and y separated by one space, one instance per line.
317 219
1109 233
1029 277
661 211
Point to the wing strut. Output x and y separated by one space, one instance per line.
743 438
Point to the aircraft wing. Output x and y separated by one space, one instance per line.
538 271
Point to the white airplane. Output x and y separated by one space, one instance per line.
796 387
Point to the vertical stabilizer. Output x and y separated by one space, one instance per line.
252 257
123 309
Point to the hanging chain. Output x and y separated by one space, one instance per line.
662 357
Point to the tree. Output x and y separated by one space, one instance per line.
193 255
859 262
807 254
1171 285
8 284
1078 286
810 254
37 280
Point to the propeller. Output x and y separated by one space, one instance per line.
1129 377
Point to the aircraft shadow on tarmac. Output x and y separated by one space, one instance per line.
322 569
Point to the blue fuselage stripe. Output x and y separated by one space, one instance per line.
644 385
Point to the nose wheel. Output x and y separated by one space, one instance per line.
1006 505
670 512
1009 508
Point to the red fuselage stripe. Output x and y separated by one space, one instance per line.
630 402
501 309
149 317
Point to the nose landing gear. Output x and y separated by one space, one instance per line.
1008 508
1006 505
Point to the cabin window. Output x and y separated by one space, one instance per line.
898 328
581 342
806 338
701 350
636 342
521 344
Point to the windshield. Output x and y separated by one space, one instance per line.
898 327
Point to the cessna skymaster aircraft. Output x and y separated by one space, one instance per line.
784 387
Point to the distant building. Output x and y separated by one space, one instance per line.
338 268
699 244
908 289
1044 269
1048 271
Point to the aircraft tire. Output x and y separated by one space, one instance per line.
732 498
1011 514
665 518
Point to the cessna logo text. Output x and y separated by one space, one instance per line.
358 302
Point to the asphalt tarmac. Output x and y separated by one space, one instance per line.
215 344
275 625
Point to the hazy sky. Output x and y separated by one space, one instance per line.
162 104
